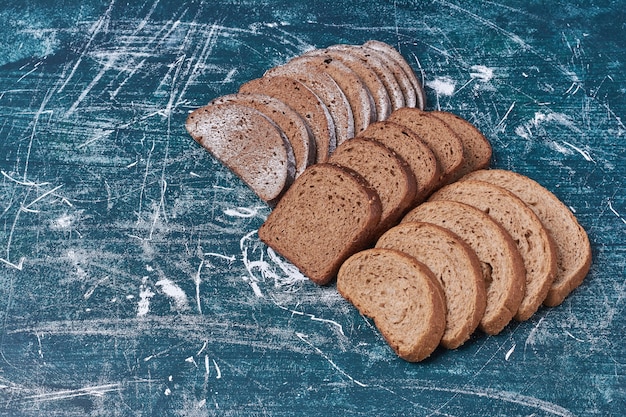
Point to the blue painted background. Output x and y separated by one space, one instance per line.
131 278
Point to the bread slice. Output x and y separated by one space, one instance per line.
476 148
456 266
395 54
380 67
300 98
413 150
325 216
445 144
388 174
286 118
533 241
401 295
571 240
382 102
501 262
356 92
326 89
249 143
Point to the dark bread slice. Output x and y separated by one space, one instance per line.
392 52
456 266
249 143
533 241
356 92
476 148
388 174
382 102
413 150
445 144
324 87
380 67
501 262
401 295
325 216
571 240
286 118
300 98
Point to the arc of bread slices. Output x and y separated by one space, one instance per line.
401 295
456 266
501 262
247 142
417 85
326 216
533 241
300 98
572 243
286 118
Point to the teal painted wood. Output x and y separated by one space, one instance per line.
131 278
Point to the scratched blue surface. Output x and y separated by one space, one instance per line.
131 278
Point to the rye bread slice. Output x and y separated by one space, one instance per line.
571 240
286 118
300 98
358 95
445 144
533 241
382 102
380 67
249 143
401 295
457 267
326 88
392 52
326 216
413 150
476 148
388 174
501 262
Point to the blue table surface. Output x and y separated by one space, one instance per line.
132 281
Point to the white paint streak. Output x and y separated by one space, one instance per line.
509 353
443 86
145 294
173 291
481 73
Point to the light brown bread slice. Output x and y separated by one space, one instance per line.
382 102
300 98
356 92
456 266
401 295
533 241
501 262
324 87
413 150
389 175
380 67
286 118
392 52
572 242
249 143
445 144
476 148
326 216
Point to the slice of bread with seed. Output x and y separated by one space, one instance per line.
572 242
533 241
401 295
249 143
445 144
456 266
388 174
476 148
501 262
286 118
300 98
395 54
413 150
325 216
